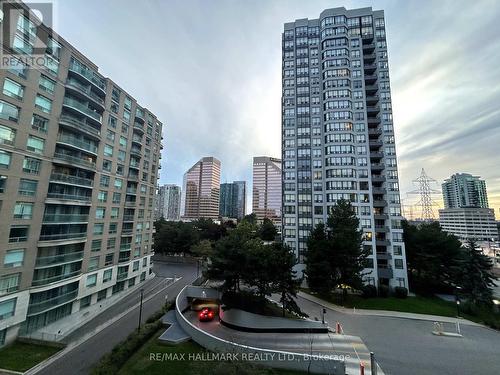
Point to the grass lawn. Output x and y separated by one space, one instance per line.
417 305
140 363
21 356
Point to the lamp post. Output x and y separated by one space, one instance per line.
140 311
457 300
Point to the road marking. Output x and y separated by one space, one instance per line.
75 344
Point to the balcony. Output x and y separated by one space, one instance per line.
91 76
86 91
80 125
375 143
76 161
139 127
63 236
379 203
37 308
381 229
375 131
128 218
135 151
133 177
77 143
373 121
378 178
53 260
65 218
123 275
373 110
380 216
130 203
384 255
369 56
376 154
82 108
139 116
384 271
71 180
137 140
370 78
382 242
131 191
377 166
70 197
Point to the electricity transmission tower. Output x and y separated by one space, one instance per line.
425 193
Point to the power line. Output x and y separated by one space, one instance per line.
425 193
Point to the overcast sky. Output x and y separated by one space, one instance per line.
211 71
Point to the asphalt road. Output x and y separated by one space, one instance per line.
407 347
81 359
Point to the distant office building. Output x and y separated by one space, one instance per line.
464 190
470 223
201 189
169 202
266 193
233 199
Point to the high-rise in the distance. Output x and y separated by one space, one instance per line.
168 202
338 136
266 192
464 190
233 199
79 161
201 189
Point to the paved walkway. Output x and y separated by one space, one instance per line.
386 313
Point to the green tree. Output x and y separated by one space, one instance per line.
208 229
335 254
432 257
477 279
267 231
174 237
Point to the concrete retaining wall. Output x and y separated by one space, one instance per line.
267 357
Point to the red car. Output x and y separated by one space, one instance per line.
206 315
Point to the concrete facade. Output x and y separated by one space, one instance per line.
79 162
470 223
338 134
266 192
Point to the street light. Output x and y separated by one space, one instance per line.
457 300
140 311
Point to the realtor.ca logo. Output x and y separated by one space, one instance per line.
26 36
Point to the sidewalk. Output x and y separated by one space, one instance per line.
386 313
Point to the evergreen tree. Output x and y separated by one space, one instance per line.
267 231
477 279
319 271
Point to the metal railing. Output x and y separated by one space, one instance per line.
61 177
79 124
62 236
73 197
65 218
75 160
77 143
82 108
58 259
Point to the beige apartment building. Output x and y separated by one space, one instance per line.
201 189
266 191
79 162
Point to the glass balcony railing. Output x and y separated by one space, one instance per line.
128 217
77 124
126 247
62 236
73 197
39 307
85 90
87 146
61 177
88 74
53 260
87 162
65 218
82 108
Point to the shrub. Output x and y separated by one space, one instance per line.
400 292
383 291
369 291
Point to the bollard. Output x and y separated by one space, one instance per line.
373 364
361 368
338 328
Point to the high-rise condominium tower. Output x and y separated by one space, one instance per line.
266 192
464 190
338 135
168 202
233 199
200 191
79 161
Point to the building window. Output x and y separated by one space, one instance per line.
117 198
7 135
43 104
115 211
85 302
98 228
14 258
18 233
19 68
108 150
101 294
9 111
35 144
107 275
104 182
135 266
96 245
118 183
100 212
40 123
91 280
398 263
111 244
9 283
46 84
102 196
109 259
13 89
7 308
93 263
112 228
112 122
23 210
3 183
5 159
31 165
27 187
